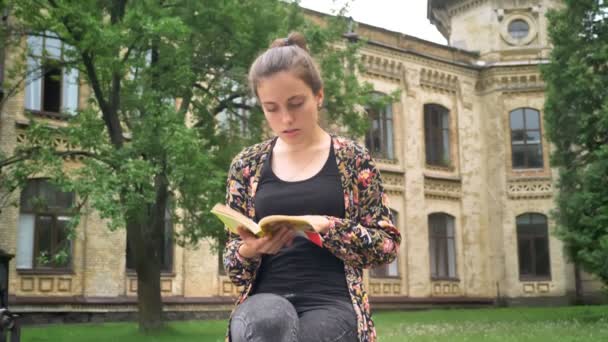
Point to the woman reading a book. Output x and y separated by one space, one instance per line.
296 290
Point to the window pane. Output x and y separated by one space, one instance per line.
44 238
537 218
524 249
517 119
25 241
393 269
519 156
389 139
52 47
519 29
518 137
451 258
51 99
62 247
541 249
535 156
523 219
379 271
442 255
533 137
433 257
532 119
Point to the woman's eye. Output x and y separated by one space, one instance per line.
296 104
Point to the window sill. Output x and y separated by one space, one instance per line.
453 280
385 277
170 274
49 115
34 271
534 279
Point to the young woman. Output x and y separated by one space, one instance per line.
293 289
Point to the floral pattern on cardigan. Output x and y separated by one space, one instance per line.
366 237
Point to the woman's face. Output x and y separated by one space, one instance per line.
290 106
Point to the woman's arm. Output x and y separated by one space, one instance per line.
372 238
239 269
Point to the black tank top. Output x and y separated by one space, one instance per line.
302 270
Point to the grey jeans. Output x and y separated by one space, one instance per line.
266 317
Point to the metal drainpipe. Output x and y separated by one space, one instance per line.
2 54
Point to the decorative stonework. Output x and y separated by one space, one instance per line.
530 188
445 288
385 287
510 83
536 288
465 5
394 183
438 81
382 67
227 288
442 188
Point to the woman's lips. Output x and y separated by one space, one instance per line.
291 132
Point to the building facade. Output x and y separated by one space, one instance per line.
462 155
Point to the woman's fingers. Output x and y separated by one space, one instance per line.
269 244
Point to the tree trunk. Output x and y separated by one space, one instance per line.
144 232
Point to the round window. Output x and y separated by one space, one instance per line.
519 29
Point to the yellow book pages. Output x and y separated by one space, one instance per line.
267 223
232 219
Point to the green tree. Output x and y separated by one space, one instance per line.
576 116
140 151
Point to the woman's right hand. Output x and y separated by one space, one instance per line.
253 246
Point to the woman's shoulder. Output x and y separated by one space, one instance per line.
349 147
252 152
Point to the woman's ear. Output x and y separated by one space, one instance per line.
319 98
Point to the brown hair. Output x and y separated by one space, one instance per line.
286 54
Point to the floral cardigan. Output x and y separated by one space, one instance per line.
364 238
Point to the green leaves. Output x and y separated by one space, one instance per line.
576 118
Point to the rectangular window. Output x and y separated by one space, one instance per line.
437 135
379 137
50 87
43 237
533 247
442 246
526 144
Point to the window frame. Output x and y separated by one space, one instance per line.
386 122
524 130
39 59
54 213
442 241
530 238
434 136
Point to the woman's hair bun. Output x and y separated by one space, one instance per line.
294 38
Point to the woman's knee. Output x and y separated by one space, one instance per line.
264 316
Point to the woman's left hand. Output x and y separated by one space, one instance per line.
318 222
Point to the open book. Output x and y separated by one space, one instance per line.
232 219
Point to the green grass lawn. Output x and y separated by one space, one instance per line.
581 323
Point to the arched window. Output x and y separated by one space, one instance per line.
379 137
533 246
526 145
437 135
44 216
442 246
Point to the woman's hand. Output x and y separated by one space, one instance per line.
319 223
253 246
